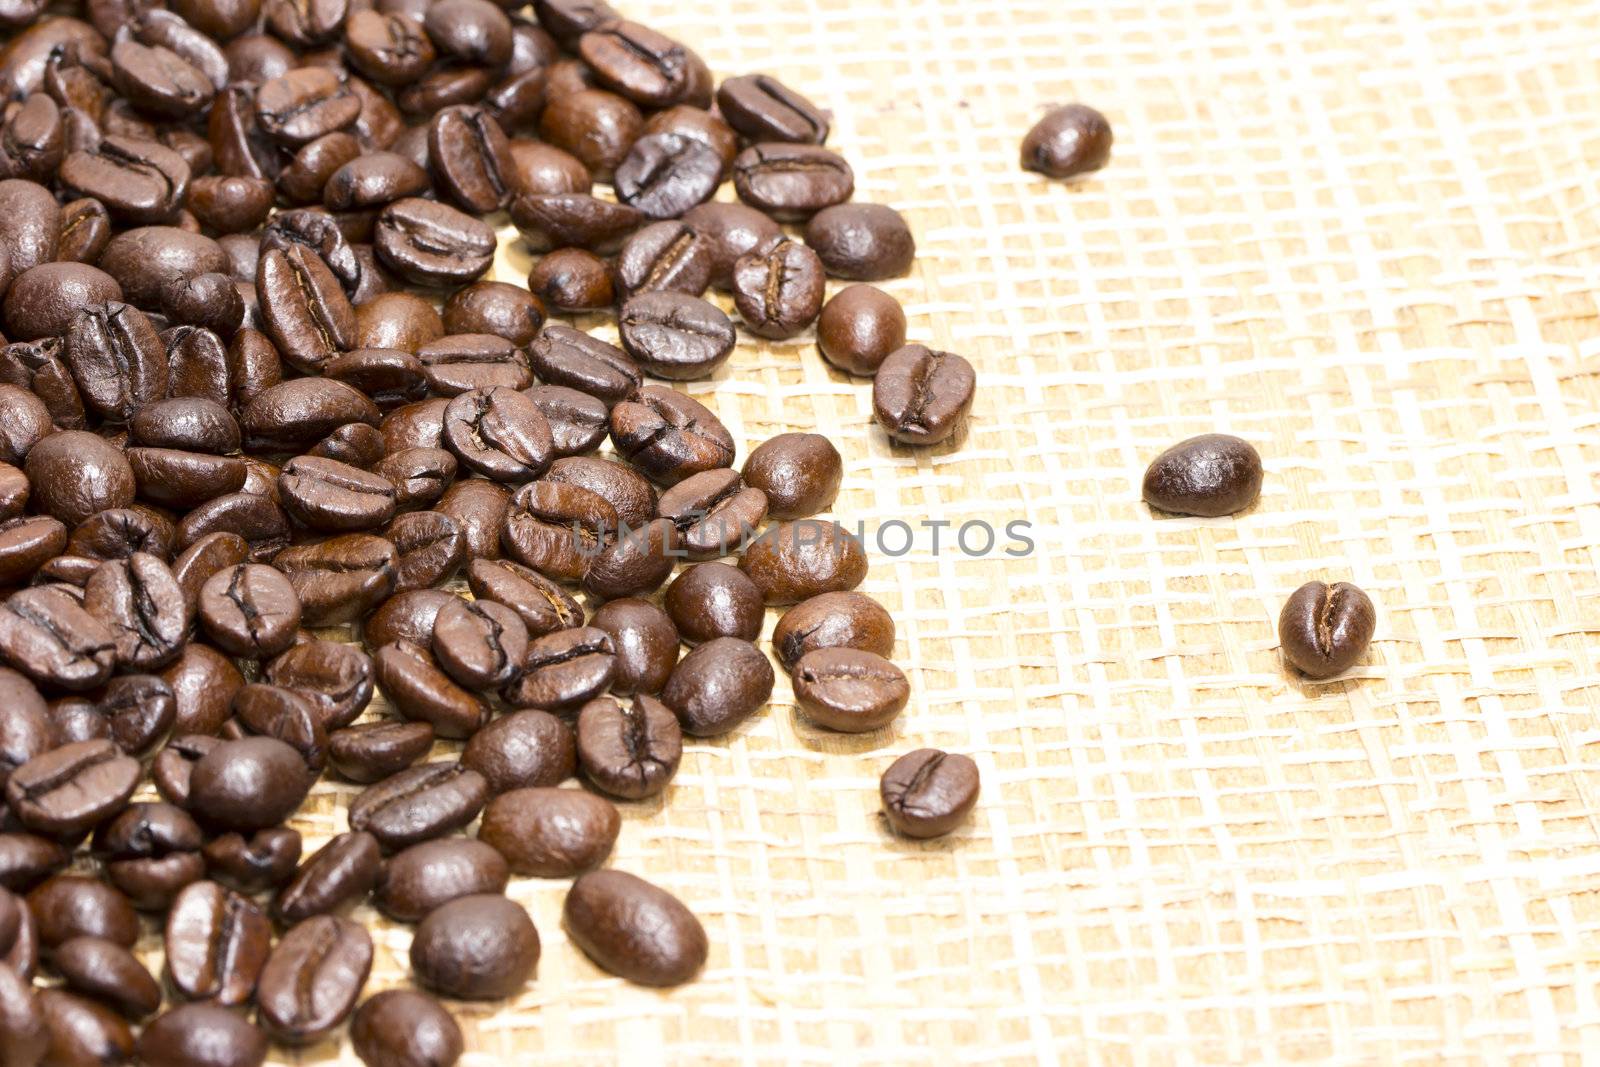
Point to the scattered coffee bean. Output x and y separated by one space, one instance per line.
634 929
426 876
550 833
1324 629
216 943
202 1035
928 793
481 947
718 685
629 751
419 804
675 335
1209 475
1070 140
849 690
921 397
404 1028
713 600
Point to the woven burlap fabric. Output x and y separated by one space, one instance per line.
1362 235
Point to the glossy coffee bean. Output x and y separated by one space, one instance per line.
313 978
922 397
334 497
664 256
25 861
543 606
629 750
849 690
572 279
792 182
550 833
139 181
646 643
295 414
1070 140
151 852
46 632
75 474
596 126
714 512
389 48
1210 475
39 370
522 750
336 678
304 104
273 711
419 804
696 123
429 243
107 972
713 600
539 169
647 67
567 357
550 221
341 579
22 1021
202 1035
249 784
230 203
419 475
142 606
499 433
337 876
26 421
800 474
1324 629
558 529
28 543
406 616
422 692
405 1028
116 359
313 166
718 685
255 864
25 730
250 610
764 109
496 308
469 155
862 242
621 486
74 905
666 174
732 231
833 620
793 561
636 563
674 335
464 362
427 876
578 421
481 947
669 436
368 182
19 934
68 791
82 1031
431 547
564 670
634 929
859 328
305 309
928 793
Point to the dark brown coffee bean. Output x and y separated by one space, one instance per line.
859 328
564 670
429 243
250 610
797 560
26 544
558 529
313 166
158 80
666 174
39 370
47 634
327 495
1210 475
371 181
669 435
538 168
252 515
422 692
389 48
373 751
202 1035
255 864
73 905
469 154
185 423
19 930
335 877
572 279
495 308
82 1031
151 852
578 421
629 750
551 833
76 474
25 861
404 1028
33 221
318 232
22 1021
481 947
479 507
119 533
200 367
849 690
792 182
647 67
674 335
69 790
173 478
714 512
522 750
928 793
85 230
140 710
624 488
481 645
1070 140
144 261
295 414
419 804
714 600
172 771
14 490
444 87
388 377
202 682
664 256
25 422
596 126
139 181
341 579
273 711
107 972
25 728
636 563
567 20
862 242
921 397
646 644
230 203
355 444
431 548
634 929
573 220
420 475
427 876
764 109
210 301
216 943
543 606
464 362
568 357
306 311
800 474
313 978
778 292
406 616
304 104
116 359
249 784
1324 629
500 433
336 678
717 686
141 604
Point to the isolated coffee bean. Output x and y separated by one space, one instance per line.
250 610
371 752
1070 140
793 561
47 634
714 512
849 690
481 947
717 686
543 606
550 221
792 182
1324 629
335 877
429 875
341 579
675 335
669 435
216 942
646 644
928 793
255 864
666 174
920 396
405 1028
336 678
859 328
714 600
249 784
629 750
634 929
578 421
422 692
429 243
1210 475
764 109
107 972
778 292
551 833
568 357
190 1035
419 804
564 670
68 790
664 256
572 279
116 359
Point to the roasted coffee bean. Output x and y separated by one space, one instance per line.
107 972
443 87
920 396
669 435
119 533
255 864
230 203
203 682
19 933
160 28
25 861
26 544
404 1028
159 81
210 301
849 690
250 610
495 308
306 311
24 423
596 126
859 328
22 1022
480 645
320 233
567 20
66 570
481 947
1324 629
800 474
928 793
1070 140
778 292
25 728
85 230
296 414
549 221
543 606
371 181
718 685
568 357
326 495
646 644
75 474
418 425
1210 475
140 710
714 512
522 750
144 261
499 433
172 770
558 529
313 166
202 1035
82 1031
406 616
371 752
429 875
792 182
249 784
472 32
305 25
793 561
141 604
578 421
674 335
647 67
389 48
337 876
468 152
551 833
200 365
636 563
241 148
572 279
13 491
697 123
664 256
666 174
564 670
862 242
31 231
538 168
419 804
273 711
313 978
341 579
634 929
624 488
355 444
151 852
305 104
39 370
422 692
248 513
75 719
139 181
464 362
74 905
388 377
764 109
629 750
431 548
47 634
216 942
336 678
429 243
117 360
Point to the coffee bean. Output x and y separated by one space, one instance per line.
230 203
306 311
481 645
249 784
145 260
567 20
550 833
304 104
714 512
646 644
596 126
557 529
25 861
25 728
522 750
406 617
19 930
799 473
24 422
250 610
1210 475
664 256
292 415
85 229
849 690
120 533
431 548
1070 140
624 488
116 359
568 357
151 852
543 606
572 279
921 397
341 579
45 632
305 25
336 678
33 221
674 335
74 905
419 475
538 168
335 877
172 770
317 232
629 751
75 474
404 1028
862 242
419 804
22 1022
429 243
564 670
666 174
778 291
1324 629
696 123
550 221
500 433
40 370
764 109
792 182
859 328
326 495
419 690
634 929
107 972
636 563
314 165
389 48
371 181
26 544
578 421
373 751
255 517
313 978
255 864
209 301
465 362
273 711
669 435
647 67
469 154
69 790
139 181
717 686
426 876
496 308
216 943
928 793
82 1031
202 1035
141 604
714 600
481 947
158 80
793 561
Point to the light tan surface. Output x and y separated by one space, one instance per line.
1361 235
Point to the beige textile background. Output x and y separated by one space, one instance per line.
1363 235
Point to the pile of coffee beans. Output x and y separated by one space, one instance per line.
254 387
